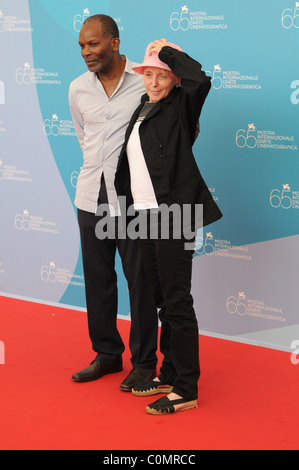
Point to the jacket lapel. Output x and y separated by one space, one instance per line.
135 115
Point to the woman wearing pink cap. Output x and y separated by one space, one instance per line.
157 169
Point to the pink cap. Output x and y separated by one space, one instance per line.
153 60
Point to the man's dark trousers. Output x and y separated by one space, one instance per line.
102 294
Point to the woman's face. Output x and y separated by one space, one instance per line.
158 83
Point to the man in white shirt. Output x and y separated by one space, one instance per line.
101 102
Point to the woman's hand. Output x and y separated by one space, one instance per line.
157 45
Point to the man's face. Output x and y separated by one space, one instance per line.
96 49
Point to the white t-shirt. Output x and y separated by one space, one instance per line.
141 184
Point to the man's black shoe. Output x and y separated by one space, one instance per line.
137 376
97 369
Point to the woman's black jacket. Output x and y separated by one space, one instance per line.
167 135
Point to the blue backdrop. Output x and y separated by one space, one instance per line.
245 277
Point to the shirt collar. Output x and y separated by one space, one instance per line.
129 65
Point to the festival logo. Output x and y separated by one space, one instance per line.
79 19
209 246
25 221
48 273
263 139
285 198
232 79
12 173
13 24
290 17
54 274
185 20
242 306
27 75
55 127
237 304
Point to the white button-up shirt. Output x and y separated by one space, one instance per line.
100 123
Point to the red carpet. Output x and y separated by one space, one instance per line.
248 396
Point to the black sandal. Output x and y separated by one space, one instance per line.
166 406
151 388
